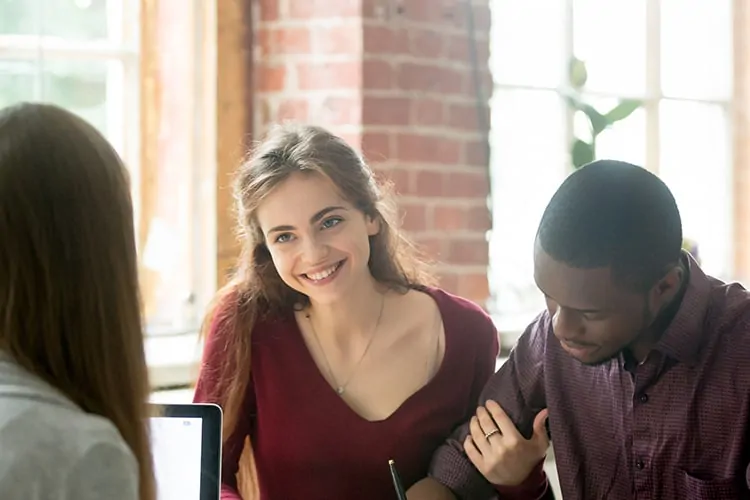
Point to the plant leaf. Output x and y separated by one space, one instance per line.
581 153
577 74
598 121
625 108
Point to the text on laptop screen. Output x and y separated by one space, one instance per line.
176 446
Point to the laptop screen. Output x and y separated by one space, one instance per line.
176 447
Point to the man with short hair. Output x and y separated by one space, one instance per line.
641 360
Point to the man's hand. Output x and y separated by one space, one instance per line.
499 451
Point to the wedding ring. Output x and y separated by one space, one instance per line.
488 434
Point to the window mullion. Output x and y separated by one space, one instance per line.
567 48
653 84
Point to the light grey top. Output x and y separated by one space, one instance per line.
50 449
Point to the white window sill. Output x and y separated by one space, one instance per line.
173 360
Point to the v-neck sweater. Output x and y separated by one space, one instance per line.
309 443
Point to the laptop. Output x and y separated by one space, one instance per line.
186 446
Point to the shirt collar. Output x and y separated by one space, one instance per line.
682 338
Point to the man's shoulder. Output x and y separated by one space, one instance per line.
728 313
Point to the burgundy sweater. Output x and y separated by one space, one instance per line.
309 444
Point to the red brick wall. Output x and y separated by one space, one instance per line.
395 79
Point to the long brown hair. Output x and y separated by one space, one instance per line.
256 290
69 300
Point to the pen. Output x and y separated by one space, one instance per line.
396 481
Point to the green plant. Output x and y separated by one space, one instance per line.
583 151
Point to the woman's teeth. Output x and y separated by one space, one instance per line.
323 274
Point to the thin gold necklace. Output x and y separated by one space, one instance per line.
341 388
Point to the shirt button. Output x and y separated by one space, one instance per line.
643 399
639 464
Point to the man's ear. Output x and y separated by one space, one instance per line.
667 287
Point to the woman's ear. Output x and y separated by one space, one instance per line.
373 224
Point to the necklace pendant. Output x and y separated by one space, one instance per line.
339 390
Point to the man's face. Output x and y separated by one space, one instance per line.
593 317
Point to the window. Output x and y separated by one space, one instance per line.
642 49
140 71
79 54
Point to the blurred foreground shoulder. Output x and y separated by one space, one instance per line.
65 455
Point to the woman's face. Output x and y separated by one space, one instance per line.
318 241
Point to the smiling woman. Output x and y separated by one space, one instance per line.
353 352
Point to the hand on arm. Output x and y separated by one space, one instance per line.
519 388
499 451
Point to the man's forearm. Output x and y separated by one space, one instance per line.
429 489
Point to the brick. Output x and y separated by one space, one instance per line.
287 40
449 218
268 10
449 281
468 184
413 216
431 246
426 44
430 78
401 179
329 75
468 251
478 218
428 111
475 287
384 40
458 47
376 146
482 18
476 153
292 109
385 110
271 77
428 149
339 110
428 183
343 39
377 74
432 11
463 116
353 139
266 115
323 9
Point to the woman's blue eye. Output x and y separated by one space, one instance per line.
283 238
329 223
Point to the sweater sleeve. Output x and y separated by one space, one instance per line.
486 359
107 470
519 389
214 357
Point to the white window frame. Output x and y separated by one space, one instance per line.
122 46
652 99
173 355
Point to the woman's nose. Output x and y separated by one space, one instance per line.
315 250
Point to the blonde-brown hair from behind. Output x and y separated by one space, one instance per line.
256 289
69 299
